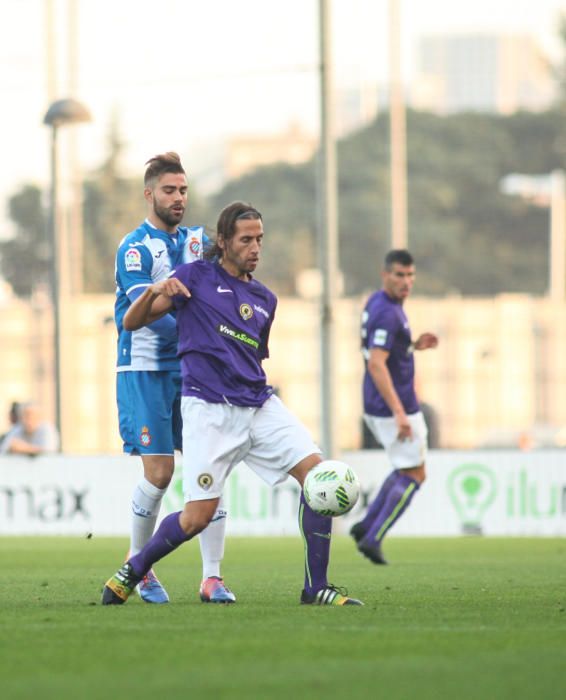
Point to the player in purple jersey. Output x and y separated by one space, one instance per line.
148 387
391 409
230 413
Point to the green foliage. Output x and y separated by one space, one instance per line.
459 617
285 195
113 206
457 211
560 70
466 235
24 259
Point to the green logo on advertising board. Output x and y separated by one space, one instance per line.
174 499
472 489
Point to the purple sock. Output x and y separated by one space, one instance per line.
315 530
377 504
169 536
398 498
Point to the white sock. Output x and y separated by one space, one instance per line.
211 543
146 501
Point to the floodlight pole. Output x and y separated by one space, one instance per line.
557 257
327 232
55 272
398 132
60 113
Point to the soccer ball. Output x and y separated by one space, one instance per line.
331 488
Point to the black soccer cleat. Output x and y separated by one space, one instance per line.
118 589
357 531
329 595
372 552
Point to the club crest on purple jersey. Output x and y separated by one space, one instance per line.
246 311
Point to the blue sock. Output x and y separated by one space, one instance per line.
400 494
168 536
316 531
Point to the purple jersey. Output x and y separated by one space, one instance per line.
385 325
223 333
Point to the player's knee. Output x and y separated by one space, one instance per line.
161 481
416 473
194 525
159 473
194 519
420 474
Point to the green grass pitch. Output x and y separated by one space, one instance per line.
449 618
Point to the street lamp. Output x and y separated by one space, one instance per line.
60 113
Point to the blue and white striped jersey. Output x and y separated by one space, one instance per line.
145 256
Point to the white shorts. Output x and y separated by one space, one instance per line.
405 454
216 436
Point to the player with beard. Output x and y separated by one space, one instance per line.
391 407
230 413
148 381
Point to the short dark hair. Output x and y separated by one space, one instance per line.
229 216
15 411
157 166
400 256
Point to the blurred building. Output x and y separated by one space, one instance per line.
357 106
497 379
214 164
247 152
481 72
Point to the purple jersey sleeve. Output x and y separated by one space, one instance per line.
385 326
183 274
263 349
382 328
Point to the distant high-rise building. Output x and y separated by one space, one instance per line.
481 72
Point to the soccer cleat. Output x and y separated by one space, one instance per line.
118 589
213 590
329 595
372 552
150 589
357 531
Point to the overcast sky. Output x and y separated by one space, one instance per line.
186 73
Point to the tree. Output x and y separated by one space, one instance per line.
113 206
560 69
25 258
286 195
467 236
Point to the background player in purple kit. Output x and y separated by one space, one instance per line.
148 387
230 413
391 408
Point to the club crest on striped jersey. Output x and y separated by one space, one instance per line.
194 246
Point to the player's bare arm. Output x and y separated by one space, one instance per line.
426 341
377 367
154 303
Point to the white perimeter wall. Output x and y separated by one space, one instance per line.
493 492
